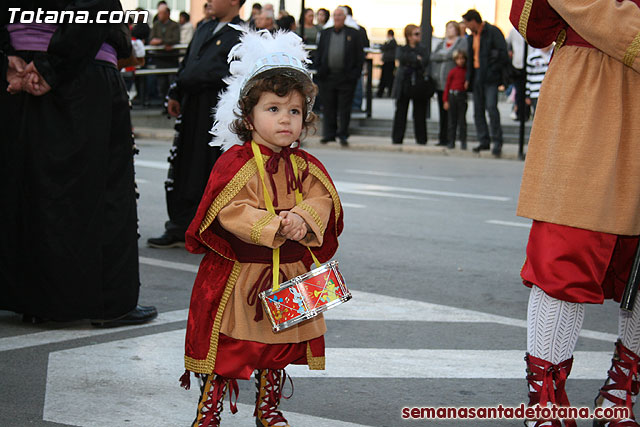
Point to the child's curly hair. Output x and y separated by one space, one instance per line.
281 85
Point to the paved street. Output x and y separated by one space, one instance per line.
431 251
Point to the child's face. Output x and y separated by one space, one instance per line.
460 61
277 120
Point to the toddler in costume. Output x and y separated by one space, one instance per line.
265 205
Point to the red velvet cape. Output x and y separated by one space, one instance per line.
541 25
219 268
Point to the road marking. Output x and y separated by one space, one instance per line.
172 265
390 191
373 307
93 385
152 164
135 382
83 331
439 363
348 187
365 306
353 205
398 175
509 223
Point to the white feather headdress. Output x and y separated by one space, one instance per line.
259 54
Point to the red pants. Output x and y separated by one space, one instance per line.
577 265
238 358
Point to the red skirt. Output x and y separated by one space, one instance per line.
239 358
577 265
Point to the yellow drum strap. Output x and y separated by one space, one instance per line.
267 200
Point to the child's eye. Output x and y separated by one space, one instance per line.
273 109
295 111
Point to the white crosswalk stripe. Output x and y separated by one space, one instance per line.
155 361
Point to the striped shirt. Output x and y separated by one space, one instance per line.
537 65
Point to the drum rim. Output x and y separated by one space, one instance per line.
311 314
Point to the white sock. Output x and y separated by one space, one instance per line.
553 326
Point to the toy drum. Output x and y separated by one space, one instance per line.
305 296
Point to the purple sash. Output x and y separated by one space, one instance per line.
36 37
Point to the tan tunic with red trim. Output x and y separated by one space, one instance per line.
247 218
583 163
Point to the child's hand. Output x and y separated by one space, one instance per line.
292 226
446 105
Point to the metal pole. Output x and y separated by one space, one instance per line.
522 87
302 19
282 5
369 87
425 26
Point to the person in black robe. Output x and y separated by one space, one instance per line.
192 98
69 250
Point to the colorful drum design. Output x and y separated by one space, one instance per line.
305 296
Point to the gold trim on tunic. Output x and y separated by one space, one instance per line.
562 36
256 230
315 363
316 218
229 192
524 18
206 366
632 52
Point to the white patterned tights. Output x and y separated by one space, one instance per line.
554 326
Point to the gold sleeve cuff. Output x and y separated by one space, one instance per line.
256 230
632 52
314 215
312 218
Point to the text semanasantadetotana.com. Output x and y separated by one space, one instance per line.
520 412
41 16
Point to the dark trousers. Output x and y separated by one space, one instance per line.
457 118
443 117
386 78
419 119
190 160
336 93
519 82
485 99
358 94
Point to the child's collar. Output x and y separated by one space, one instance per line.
267 151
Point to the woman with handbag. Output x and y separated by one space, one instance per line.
410 84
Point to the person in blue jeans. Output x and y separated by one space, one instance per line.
487 61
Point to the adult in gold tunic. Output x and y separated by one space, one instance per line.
581 187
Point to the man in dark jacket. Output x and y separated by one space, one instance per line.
487 61
339 61
191 99
388 64
69 249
